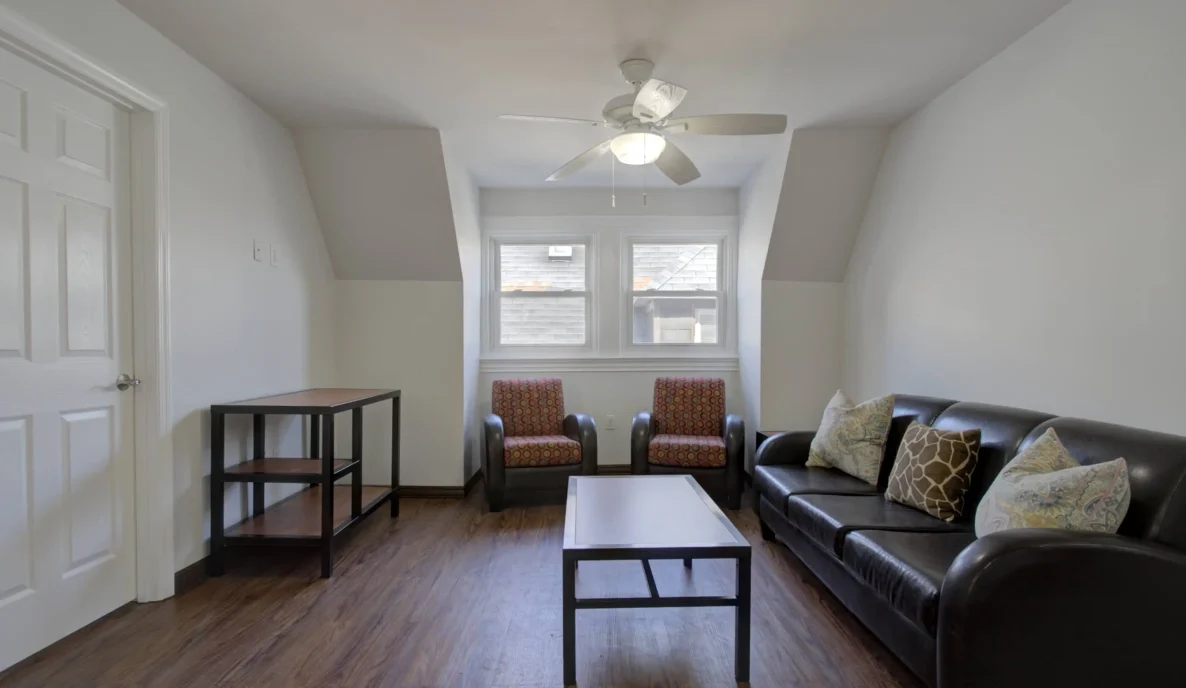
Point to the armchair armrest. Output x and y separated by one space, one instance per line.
641 433
1041 607
493 463
784 449
734 434
580 427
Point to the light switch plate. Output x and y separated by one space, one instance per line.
609 422
275 250
259 250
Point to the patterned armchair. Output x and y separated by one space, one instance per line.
690 433
529 445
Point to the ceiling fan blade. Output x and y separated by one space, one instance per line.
677 166
561 120
581 161
657 99
728 125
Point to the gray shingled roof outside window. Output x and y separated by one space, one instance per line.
560 320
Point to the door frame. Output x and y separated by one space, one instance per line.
149 139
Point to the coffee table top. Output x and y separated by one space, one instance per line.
651 512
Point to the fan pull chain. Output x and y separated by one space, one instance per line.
613 181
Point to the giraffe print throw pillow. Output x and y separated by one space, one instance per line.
933 470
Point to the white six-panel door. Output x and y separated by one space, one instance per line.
67 536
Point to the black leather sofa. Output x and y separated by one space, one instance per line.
1014 609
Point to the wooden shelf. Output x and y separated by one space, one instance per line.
279 470
299 516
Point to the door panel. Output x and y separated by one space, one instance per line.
66 502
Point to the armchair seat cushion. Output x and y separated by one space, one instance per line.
540 450
907 569
687 451
828 519
777 483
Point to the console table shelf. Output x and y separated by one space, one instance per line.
314 515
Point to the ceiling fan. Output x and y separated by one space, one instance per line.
643 118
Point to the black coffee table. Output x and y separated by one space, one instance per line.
649 517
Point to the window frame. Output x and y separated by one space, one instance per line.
492 294
724 294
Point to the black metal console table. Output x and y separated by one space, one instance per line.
313 516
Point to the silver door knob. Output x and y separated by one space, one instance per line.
124 381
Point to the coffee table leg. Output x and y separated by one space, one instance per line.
741 640
570 621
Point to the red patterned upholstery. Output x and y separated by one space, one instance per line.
529 407
544 450
689 406
688 451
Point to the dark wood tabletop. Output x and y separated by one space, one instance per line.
646 512
319 401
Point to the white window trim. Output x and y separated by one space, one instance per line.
725 295
492 290
606 331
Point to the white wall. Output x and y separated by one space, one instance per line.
802 352
463 194
758 204
384 202
1024 242
239 328
408 336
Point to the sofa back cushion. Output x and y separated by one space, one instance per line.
1002 430
529 407
908 408
1156 472
689 406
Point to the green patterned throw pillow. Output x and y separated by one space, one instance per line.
1045 487
852 437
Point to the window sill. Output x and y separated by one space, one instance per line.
665 364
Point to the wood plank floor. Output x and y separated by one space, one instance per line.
450 595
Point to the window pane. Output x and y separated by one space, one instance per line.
675 320
540 267
542 320
675 267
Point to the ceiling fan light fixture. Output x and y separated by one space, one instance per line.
637 147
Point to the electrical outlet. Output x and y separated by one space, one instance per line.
275 251
609 422
258 251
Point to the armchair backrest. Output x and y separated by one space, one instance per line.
689 406
529 407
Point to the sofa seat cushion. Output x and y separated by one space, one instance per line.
776 483
827 519
687 451
540 450
907 569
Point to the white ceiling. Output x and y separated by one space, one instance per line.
455 64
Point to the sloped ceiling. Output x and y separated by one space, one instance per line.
455 64
382 197
829 176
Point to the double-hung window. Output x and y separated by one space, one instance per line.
609 288
540 299
675 296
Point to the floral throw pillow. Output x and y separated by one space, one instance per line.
1045 487
851 437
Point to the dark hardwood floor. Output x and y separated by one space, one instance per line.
450 595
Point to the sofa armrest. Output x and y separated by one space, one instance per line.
493 463
1043 607
580 427
641 433
785 448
